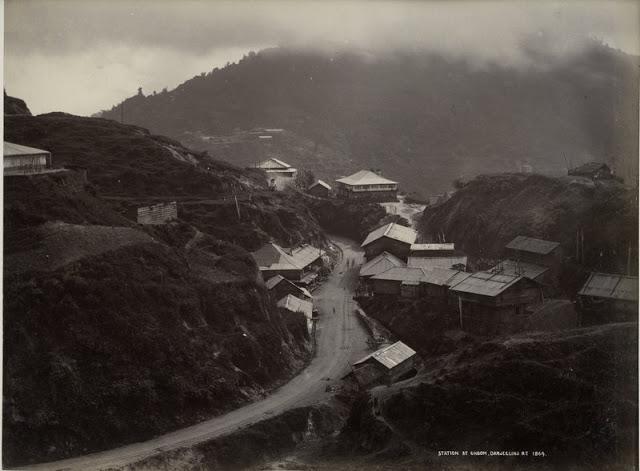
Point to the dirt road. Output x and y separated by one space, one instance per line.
340 340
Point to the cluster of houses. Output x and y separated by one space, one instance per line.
493 301
367 185
290 274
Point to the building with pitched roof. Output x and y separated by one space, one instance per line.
279 173
608 297
24 160
491 303
279 287
380 264
320 189
386 365
390 281
458 262
527 252
273 260
393 238
368 185
294 304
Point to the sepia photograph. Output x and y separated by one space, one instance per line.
342 235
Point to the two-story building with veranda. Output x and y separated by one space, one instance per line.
367 185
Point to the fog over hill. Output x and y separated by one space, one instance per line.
422 117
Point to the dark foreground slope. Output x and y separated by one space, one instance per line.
571 395
491 210
422 118
114 332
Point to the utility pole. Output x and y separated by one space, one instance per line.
629 259
237 207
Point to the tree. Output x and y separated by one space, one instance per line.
304 179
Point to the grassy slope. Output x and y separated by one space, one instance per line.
121 345
491 210
571 394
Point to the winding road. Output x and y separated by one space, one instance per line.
341 339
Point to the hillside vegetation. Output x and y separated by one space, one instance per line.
571 395
129 167
423 118
489 211
113 331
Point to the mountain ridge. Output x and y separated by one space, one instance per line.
423 118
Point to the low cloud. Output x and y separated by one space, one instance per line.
57 46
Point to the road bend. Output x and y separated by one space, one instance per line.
341 339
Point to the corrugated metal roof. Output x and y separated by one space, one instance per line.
392 231
276 280
529 244
380 264
486 284
401 274
321 183
295 304
11 149
391 355
271 257
611 286
444 276
365 177
306 255
447 246
512 267
429 263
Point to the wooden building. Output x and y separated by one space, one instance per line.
279 287
437 281
272 260
393 238
23 160
292 264
367 185
607 297
386 365
530 255
493 304
516 268
458 262
156 214
294 304
320 189
432 250
279 174
592 170
390 282
379 264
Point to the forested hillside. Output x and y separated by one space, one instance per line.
424 119
114 331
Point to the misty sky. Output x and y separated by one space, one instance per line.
83 56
